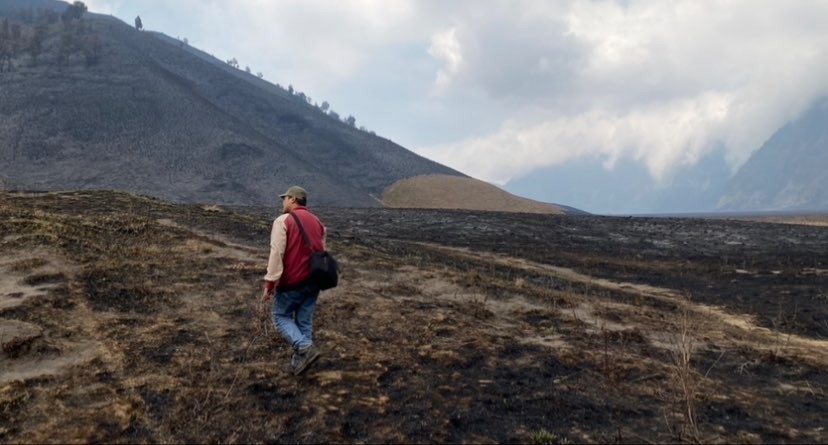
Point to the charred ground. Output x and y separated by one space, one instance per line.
129 319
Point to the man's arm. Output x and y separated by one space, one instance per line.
278 241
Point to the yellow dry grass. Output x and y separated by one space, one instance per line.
456 192
820 220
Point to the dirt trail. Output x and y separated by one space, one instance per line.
760 338
214 244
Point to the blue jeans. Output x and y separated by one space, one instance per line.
292 314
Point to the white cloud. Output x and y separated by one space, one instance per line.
518 147
446 48
661 82
312 43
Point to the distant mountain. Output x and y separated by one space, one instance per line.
628 187
789 172
98 104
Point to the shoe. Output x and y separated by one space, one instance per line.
303 358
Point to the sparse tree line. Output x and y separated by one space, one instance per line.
235 64
46 37
325 107
139 25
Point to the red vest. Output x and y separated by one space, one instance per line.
296 262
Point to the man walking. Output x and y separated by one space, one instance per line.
288 270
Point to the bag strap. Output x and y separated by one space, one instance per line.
302 229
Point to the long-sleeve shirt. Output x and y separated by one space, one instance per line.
289 262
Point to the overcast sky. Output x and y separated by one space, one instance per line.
498 88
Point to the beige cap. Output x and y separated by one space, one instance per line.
295 191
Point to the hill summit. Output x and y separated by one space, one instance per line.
452 192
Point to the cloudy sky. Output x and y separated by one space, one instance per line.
497 89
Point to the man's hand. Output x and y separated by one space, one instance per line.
267 289
264 308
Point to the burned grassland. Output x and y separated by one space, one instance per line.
129 319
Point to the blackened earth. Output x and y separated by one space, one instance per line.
127 319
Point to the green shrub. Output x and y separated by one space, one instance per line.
544 437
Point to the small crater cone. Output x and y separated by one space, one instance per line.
458 192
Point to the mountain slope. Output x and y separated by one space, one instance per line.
151 117
789 171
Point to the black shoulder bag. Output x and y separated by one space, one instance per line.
324 272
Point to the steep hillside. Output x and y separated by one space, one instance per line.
106 106
789 172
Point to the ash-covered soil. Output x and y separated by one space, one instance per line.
127 319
